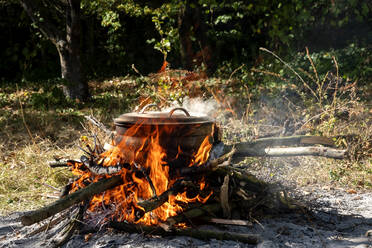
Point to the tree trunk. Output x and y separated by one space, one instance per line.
67 43
191 23
184 24
69 53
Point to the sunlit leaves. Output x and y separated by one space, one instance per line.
111 18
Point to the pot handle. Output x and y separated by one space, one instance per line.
142 111
184 110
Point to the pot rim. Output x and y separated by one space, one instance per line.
161 118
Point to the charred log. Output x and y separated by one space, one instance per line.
190 232
63 163
83 194
208 209
157 201
99 169
74 224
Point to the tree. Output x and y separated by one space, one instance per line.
192 26
48 17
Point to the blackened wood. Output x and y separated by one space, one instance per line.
202 169
73 225
83 194
210 209
136 228
140 168
66 189
248 181
99 169
228 221
63 163
190 232
157 201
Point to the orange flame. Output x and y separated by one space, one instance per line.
164 66
143 154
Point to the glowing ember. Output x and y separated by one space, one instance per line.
148 157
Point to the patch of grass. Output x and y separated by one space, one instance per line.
25 177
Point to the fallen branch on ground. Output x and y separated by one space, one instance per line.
305 151
267 147
290 151
190 232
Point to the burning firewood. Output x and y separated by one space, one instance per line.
167 170
157 201
32 217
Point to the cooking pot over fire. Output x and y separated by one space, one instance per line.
179 133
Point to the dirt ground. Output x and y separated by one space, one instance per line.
337 218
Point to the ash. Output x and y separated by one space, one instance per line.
337 219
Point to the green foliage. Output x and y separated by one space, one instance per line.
164 45
44 100
119 33
352 61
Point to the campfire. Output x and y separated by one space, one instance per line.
166 171
149 153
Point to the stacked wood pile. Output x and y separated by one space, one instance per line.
237 195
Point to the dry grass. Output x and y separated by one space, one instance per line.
332 108
26 182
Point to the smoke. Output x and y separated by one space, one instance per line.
198 106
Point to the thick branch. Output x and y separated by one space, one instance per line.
290 151
99 169
219 235
265 147
63 163
286 141
305 151
32 217
194 213
157 201
205 168
228 221
190 232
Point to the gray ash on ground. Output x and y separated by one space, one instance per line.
336 219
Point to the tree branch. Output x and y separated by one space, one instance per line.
32 217
190 232
46 27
